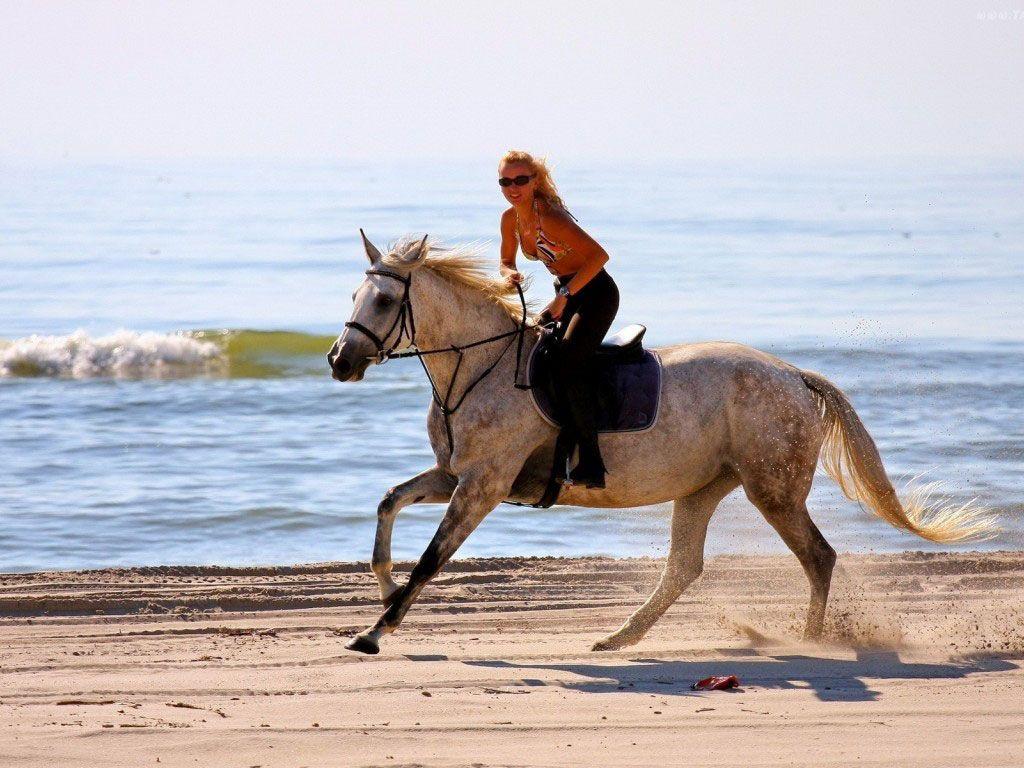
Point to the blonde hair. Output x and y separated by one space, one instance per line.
545 188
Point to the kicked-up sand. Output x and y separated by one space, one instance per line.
921 666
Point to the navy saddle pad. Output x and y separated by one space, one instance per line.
628 381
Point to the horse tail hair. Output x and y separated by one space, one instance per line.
850 457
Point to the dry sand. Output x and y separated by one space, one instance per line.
246 667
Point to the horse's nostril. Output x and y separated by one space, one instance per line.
332 356
341 366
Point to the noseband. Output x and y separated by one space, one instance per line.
406 326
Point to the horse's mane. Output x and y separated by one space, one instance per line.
466 265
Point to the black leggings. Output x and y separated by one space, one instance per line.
586 319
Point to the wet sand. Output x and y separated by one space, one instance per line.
923 665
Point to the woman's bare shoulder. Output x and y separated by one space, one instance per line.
556 217
553 211
508 219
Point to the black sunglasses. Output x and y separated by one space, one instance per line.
519 181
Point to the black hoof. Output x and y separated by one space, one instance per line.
363 645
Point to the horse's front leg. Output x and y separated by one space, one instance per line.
475 496
434 486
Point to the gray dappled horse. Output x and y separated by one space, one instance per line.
729 416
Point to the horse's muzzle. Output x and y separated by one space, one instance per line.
342 366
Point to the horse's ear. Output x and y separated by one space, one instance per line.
371 250
415 254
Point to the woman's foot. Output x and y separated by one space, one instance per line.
589 476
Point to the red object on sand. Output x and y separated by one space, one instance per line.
719 683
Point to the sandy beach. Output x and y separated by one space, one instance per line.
212 666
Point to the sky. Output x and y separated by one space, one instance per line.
581 80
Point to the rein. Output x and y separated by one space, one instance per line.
405 323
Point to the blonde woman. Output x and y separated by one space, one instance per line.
586 298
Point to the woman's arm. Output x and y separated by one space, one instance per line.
509 246
561 227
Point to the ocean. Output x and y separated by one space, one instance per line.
164 396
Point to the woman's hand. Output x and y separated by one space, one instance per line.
555 308
514 277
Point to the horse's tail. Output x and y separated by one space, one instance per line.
851 458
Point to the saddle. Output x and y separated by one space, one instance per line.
627 381
628 389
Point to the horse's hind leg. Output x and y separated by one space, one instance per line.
790 518
817 557
434 486
685 562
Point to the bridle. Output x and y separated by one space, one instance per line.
404 313
405 324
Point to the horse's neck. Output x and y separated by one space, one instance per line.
450 314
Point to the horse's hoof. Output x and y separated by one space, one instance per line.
605 645
363 644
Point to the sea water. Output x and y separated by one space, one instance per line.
164 396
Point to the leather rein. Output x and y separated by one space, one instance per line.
405 324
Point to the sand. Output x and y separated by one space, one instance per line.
922 666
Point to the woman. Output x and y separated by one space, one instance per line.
586 299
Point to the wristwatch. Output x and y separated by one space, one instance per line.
563 290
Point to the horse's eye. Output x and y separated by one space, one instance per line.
384 301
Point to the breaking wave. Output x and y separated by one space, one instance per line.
129 354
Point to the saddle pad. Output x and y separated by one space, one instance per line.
628 391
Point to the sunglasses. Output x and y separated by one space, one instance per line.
519 181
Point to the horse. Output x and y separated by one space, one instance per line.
729 416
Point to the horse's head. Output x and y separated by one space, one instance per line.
380 320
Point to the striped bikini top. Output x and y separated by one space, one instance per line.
548 251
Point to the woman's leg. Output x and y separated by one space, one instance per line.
590 317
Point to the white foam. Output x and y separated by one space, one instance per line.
123 354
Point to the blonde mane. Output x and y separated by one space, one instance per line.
464 265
